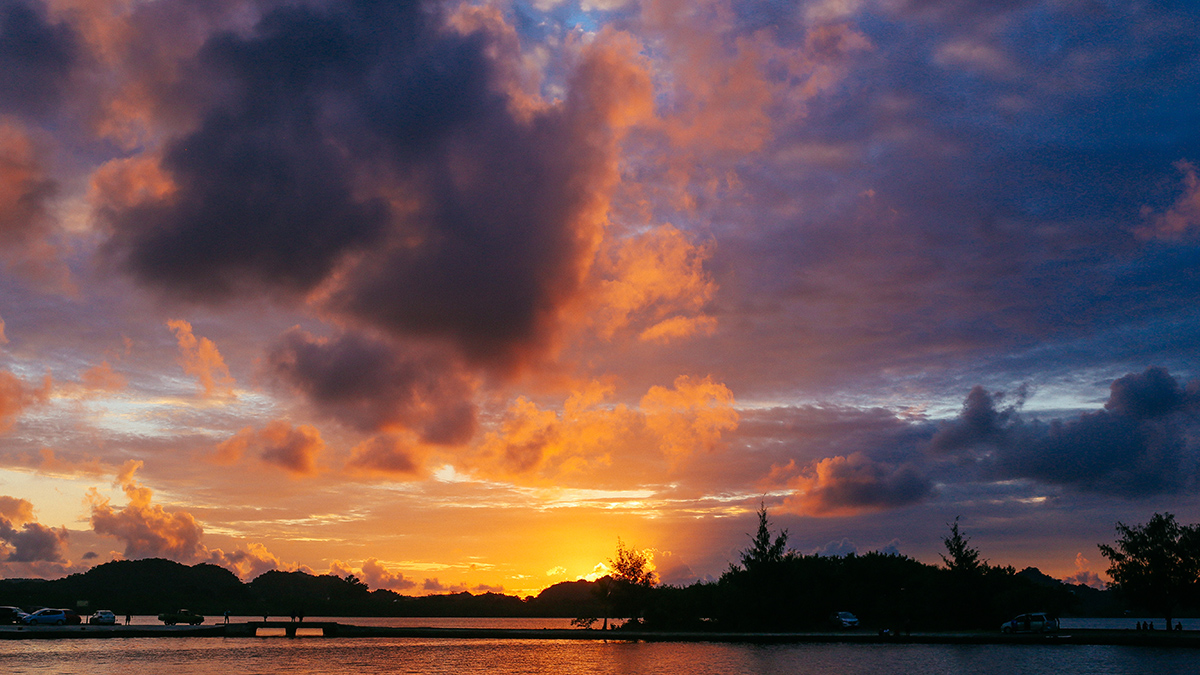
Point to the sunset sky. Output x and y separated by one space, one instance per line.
451 296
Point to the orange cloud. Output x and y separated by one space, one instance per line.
1083 574
678 327
16 396
592 437
726 93
374 574
103 378
137 49
246 563
147 530
389 455
199 357
26 228
533 442
518 75
655 279
722 94
614 80
50 463
128 182
690 417
17 511
3 337
293 449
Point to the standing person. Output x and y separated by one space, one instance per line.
127 618
226 616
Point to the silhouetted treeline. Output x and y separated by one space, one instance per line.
792 592
774 588
771 588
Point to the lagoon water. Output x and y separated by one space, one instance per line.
315 655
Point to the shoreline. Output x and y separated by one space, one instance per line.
317 630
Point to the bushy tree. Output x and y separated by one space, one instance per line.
624 593
632 567
1157 565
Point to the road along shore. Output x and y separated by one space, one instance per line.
265 630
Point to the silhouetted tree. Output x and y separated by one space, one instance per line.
770 588
763 551
1157 565
966 580
963 557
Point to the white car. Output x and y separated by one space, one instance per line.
1037 622
103 617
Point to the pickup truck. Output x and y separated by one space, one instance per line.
182 616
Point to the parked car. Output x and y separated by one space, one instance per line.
844 620
52 617
182 616
103 617
11 615
1036 622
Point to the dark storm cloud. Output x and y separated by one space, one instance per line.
36 57
373 136
263 193
373 386
835 461
1142 443
980 423
33 542
506 221
855 484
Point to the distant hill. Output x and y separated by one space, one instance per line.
155 585
146 586
1088 601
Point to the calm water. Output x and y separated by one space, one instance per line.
303 656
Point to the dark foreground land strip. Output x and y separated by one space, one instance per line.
1189 639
